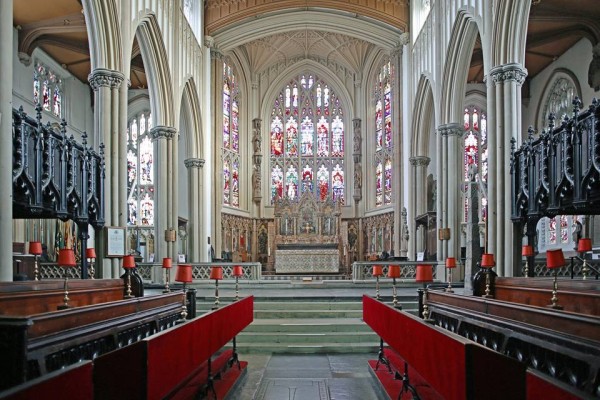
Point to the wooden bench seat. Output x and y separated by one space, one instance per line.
37 344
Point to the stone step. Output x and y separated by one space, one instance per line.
306 338
320 348
307 325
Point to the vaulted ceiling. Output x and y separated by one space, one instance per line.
58 28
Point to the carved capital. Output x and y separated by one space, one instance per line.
194 163
162 132
101 77
452 129
508 72
420 161
209 41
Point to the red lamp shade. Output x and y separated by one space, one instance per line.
487 260
583 246
527 250
238 270
377 270
393 271
128 262
450 262
184 273
35 248
167 262
555 258
424 273
66 258
216 273
90 252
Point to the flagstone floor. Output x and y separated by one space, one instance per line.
308 377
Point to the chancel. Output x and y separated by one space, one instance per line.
359 199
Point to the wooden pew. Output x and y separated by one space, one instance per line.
36 297
577 296
173 361
453 366
37 344
562 347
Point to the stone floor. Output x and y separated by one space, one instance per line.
308 377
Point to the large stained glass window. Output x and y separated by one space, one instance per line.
140 172
475 153
231 139
307 141
383 136
47 89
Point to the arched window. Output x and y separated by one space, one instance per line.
307 141
231 139
559 97
475 154
140 175
47 89
383 136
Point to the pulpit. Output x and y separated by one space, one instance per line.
307 236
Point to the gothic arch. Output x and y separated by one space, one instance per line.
156 65
190 111
541 120
423 121
456 67
384 36
104 34
324 73
509 34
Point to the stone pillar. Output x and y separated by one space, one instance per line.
455 167
420 164
195 190
162 137
257 160
216 177
6 90
106 85
505 90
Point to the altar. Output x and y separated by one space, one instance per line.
307 237
307 259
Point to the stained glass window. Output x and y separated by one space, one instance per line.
231 140
140 172
475 154
384 136
307 141
47 89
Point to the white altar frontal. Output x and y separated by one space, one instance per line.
307 238
307 261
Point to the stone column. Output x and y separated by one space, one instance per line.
455 167
506 93
256 160
106 85
162 137
195 185
216 177
6 90
420 164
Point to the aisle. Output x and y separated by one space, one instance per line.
308 377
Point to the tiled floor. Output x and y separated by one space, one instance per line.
308 377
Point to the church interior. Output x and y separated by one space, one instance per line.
205 192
